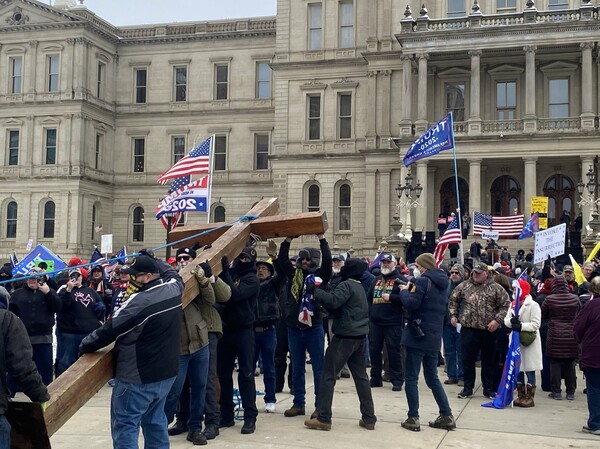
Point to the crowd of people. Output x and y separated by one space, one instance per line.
374 321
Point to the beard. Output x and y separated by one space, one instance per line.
336 270
387 270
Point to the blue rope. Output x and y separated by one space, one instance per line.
243 218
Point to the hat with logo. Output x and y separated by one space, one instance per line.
387 257
142 264
481 268
34 271
568 268
340 257
267 263
189 251
81 271
73 262
249 252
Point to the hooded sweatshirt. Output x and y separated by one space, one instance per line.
560 309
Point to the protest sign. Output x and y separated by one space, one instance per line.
550 242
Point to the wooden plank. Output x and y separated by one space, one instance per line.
28 429
305 223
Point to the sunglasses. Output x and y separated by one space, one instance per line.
454 272
180 258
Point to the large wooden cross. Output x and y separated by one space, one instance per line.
84 378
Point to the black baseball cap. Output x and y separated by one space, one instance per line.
141 264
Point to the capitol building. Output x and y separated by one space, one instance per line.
316 106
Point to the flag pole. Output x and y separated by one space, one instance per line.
210 176
458 211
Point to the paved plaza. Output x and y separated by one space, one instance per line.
550 424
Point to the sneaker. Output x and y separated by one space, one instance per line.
411 424
345 373
489 394
314 423
556 396
197 438
270 407
464 394
386 377
294 411
178 428
570 396
248 427
450 381
397 388
587 429
375 383
211 431
366 425
460 383
445 422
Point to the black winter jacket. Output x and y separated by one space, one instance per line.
81 312
238 312
37 311
266 310
382 311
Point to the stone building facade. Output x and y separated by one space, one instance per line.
303 106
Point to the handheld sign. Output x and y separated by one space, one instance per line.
550 242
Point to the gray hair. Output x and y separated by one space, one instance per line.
595 285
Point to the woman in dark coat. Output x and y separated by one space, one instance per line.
560 309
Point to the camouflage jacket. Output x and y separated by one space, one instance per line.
478 304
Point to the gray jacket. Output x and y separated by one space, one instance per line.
348 307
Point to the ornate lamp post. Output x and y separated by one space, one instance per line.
169 217
408 196
593 201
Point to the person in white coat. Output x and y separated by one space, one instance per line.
528 320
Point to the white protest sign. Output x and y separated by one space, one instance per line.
29 245
490 235
106 244
550 242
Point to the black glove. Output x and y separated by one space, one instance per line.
515 320
207 269
516 327
395 289
225 263
147 252
310 289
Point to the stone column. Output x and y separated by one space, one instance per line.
370 210
475 113
530 184
371 136
586 163
372 40
384 203
421 214
29 87
530 119
406 123
422 95
474 186
67 70
587 112
386 95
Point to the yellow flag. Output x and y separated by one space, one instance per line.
593 253
579 277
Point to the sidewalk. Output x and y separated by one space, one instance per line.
550 424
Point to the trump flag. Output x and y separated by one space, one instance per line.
439 137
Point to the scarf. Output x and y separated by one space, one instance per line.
307 303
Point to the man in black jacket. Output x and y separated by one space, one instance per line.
15 359
146 331
348 307
238 339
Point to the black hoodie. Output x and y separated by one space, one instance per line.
238 312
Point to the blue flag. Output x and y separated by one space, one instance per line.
96 256
120 257
532 226
40 253
439 137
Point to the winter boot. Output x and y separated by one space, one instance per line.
529 395
518 402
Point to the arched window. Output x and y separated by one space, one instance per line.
344 208
94 221
219 214
560 191
448 196
313 198
49 218
11 220
505 196
138 224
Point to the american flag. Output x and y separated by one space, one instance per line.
196 162
179 183
510 226
451 235
176 217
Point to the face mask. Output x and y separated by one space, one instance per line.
386 271
416 273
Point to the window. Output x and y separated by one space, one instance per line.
101 75
52 62
506 4
263 80
345 208
314 198
180 74
219 214
141 84
138 224
314 117
345 116
220 161
455 101
506 100
261 148
16 74
560 191
94 220
178 145
11 220
558 103
558 4
315 26
505 193
221 81
49 216
456 8
13 148
346 25
139 149
98 151
51 146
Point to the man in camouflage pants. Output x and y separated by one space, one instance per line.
479 304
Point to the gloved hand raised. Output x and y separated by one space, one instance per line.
207 269
225 263
200 275
271 248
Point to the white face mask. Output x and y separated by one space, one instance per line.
416 273
386 270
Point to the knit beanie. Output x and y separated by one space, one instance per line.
426 260
525 287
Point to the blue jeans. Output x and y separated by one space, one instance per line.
265 347
4 432
592 379
67 350
133 405
453 352
530 377
196 365
429 359
301 340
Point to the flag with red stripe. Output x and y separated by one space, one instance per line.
451 235
196 162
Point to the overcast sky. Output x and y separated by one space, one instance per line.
137 12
